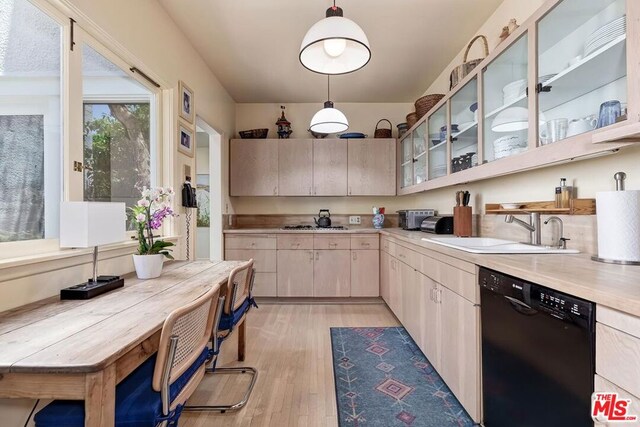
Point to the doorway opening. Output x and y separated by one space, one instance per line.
208 181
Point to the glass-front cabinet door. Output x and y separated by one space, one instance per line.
506 116
582 68
464 127
406 147
438 143
420 153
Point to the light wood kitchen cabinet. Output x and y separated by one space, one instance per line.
332 273
260 247
460 348
295 167
412 303
264 285
295 273
430 309
365 273
385 276
395 288
253 167
329 167
371 167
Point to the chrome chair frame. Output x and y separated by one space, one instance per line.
230 370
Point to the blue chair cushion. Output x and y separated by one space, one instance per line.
137 404
228 321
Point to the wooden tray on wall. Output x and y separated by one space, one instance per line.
578 207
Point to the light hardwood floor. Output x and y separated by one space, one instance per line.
290 346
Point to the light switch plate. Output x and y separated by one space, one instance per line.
354 220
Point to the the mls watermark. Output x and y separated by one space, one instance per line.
609 407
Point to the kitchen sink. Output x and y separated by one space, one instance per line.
489 245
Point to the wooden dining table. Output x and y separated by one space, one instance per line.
80 350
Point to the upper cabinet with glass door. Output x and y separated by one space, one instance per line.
506 115
582 61
438 142
413 163
464 127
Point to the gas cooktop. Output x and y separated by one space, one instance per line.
311 227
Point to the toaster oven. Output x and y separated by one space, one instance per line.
411 219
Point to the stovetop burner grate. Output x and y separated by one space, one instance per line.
311 227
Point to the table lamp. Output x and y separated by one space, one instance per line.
92 224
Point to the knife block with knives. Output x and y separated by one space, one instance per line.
462 215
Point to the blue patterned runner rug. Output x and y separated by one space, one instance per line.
383 380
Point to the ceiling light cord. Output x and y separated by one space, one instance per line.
328 88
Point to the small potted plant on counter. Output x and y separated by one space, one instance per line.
148 215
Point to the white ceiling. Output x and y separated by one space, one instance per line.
252 45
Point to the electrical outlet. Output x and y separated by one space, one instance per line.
354 220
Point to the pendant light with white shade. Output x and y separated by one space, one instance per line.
329 119
335 45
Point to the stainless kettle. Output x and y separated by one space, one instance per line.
324 219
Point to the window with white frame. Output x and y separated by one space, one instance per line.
117 126
30 122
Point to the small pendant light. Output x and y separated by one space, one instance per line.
329 119
335 45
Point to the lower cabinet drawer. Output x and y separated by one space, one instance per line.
264 261
295 241
334 241
407 256
250 241
618 358
459 281
264 285
365 242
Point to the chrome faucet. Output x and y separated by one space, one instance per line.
562 242
533 226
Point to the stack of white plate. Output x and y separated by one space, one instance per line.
605 34
508 145
515 90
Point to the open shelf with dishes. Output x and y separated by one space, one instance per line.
555 91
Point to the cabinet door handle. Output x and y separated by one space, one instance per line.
275 191
366 245
439 295
333 245
355 256
295 245
315 191
317 256
349 190
309 190
311 256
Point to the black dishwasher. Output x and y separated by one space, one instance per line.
537 354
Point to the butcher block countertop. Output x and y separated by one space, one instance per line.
615 286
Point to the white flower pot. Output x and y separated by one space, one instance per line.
148 266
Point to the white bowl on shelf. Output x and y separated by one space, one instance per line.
511 205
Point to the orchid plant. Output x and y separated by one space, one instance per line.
148 215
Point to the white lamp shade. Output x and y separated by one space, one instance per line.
329 120
335 45
88 224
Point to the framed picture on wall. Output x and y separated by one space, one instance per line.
185 101
186 140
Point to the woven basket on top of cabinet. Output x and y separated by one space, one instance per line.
426 103
412 119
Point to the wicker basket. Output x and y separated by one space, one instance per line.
467 66
383 133
426 103
412 119
254 134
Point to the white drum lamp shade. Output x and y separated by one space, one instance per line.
329 120
91 224
335 45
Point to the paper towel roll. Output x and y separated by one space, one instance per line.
618 215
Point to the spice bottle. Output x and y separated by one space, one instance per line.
566 194
558 198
